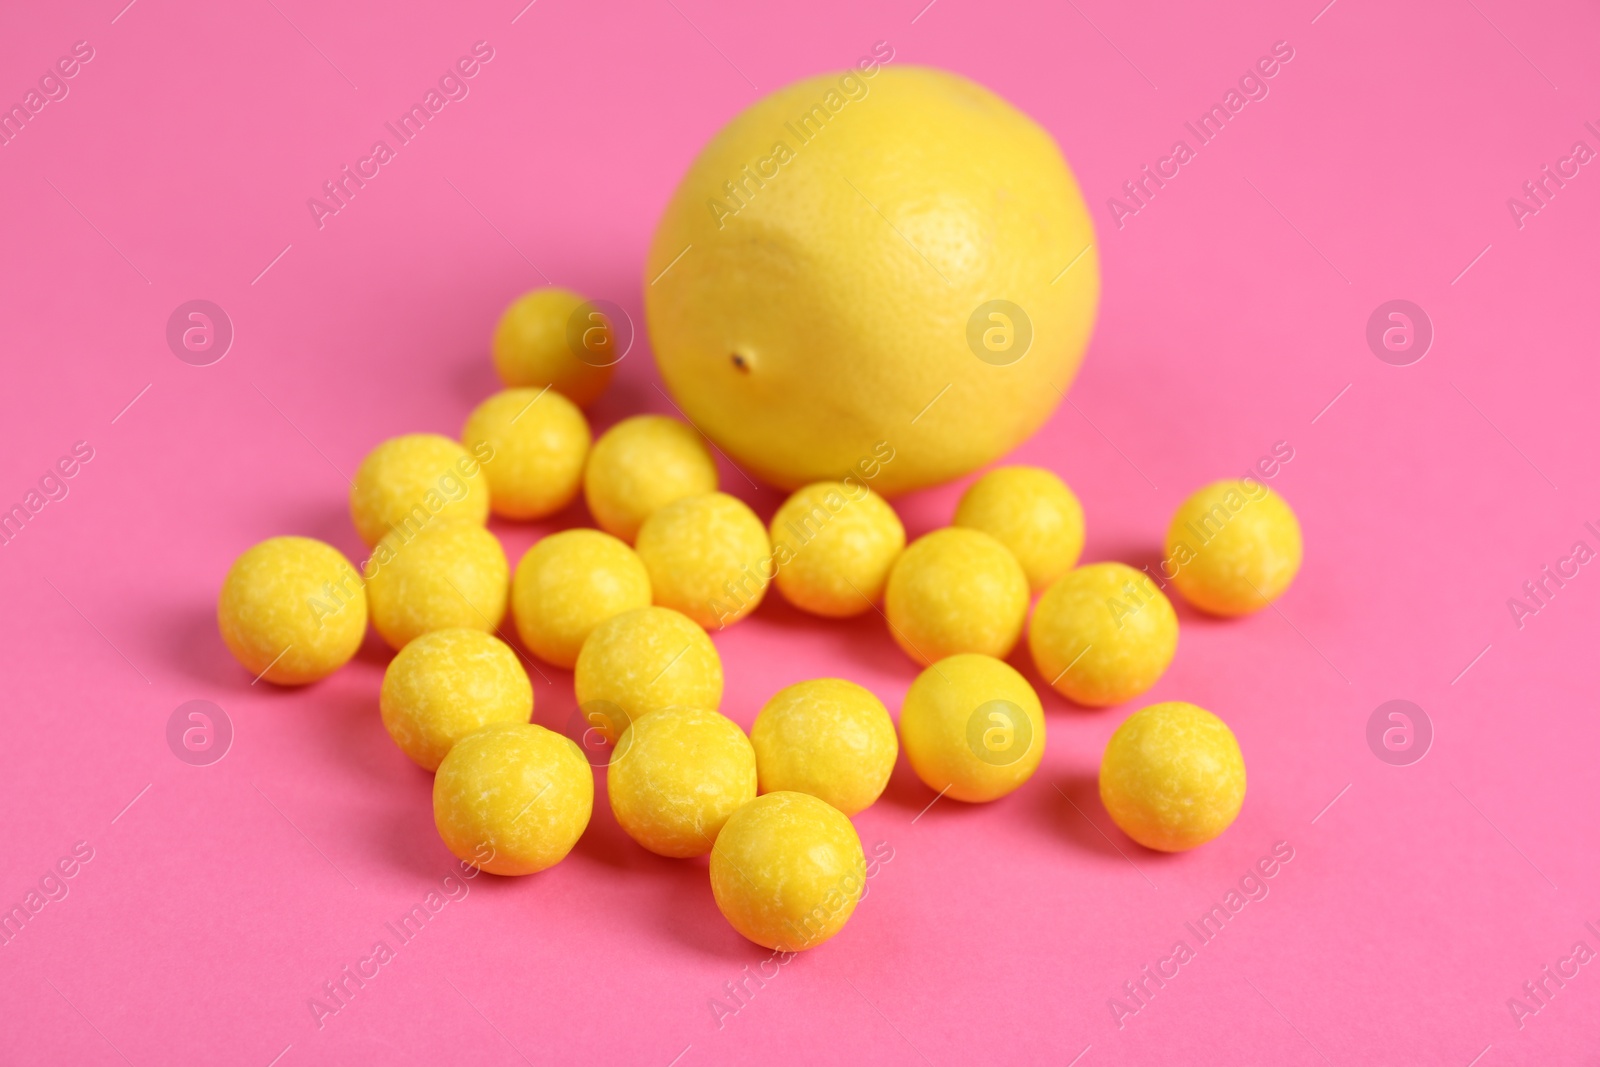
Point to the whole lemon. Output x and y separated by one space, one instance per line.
889 271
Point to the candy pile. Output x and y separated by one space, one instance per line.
627 608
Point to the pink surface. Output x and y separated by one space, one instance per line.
1236 302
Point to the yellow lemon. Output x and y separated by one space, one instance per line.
1172 776
889 261
787 871
1235 546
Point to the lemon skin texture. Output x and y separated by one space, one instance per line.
531 349
828 738
827 312
833 544
641 464
972 727
708 556
644 660
676 776
448 684
292 610
513 798
787 871
446 576
1236 546
1103 634
539 440
569 583
414 480
1172 776
956 590
1031 512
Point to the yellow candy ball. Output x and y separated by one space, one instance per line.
641 464
447 684
1172 776
539 440
441 578
532 346
972 727
826 737
1031 512
787 871
834 543
292 610
513 798
415 480
641 661
569 583
1235 546
1103 634
708 556
956 590
676 776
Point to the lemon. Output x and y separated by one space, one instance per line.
891 275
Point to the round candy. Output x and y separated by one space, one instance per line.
446 684
972 727
676 776
412 481
1172 776
532 348
539 440
787 871
826 737
1103 634
708 556
513 798
441 578
833 543
643 660
569 583
292 610
1235 547
956 590
1031 512
641 464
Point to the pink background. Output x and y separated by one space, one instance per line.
1234 311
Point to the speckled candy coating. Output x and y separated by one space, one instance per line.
708 556
1172 776
415 481
531 347
956 590
539 440
676 776
569 583
834 543
1235 546
292 610
826 737
446 684
1103 634
641 464
972 727
647 659
446 576
1031 512
513 798
788 871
